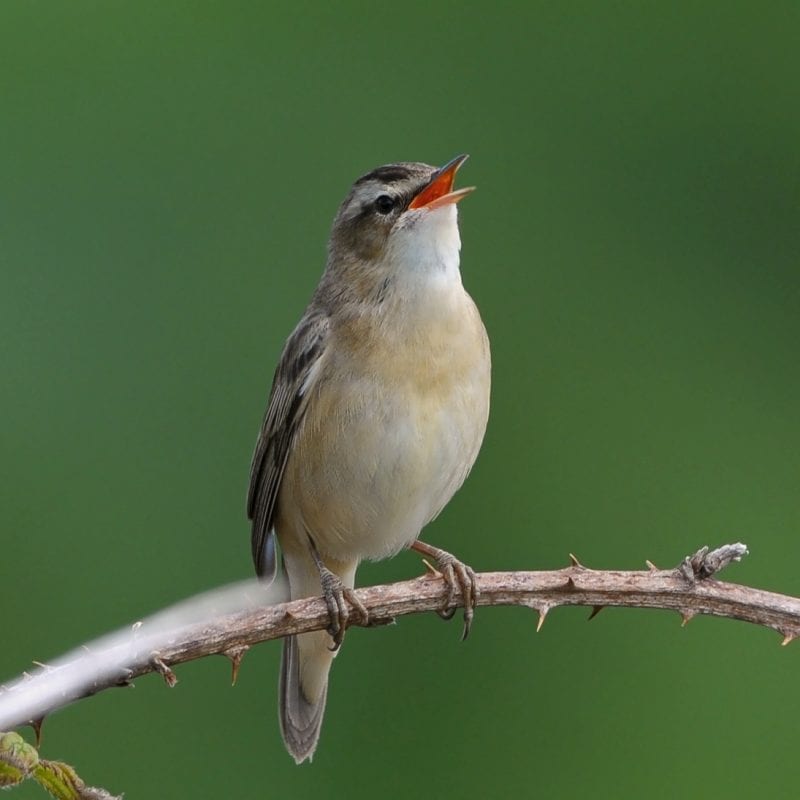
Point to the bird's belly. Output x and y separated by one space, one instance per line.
368 475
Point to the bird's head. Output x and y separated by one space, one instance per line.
399 216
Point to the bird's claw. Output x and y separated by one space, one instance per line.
337 596
457 576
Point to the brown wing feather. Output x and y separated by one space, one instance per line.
286 406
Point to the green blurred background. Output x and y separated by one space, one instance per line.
169 175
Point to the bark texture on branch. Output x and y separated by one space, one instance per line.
688 589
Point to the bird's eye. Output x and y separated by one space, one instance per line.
384 203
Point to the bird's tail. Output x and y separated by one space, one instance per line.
306 661
303 690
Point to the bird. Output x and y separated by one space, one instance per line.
377 411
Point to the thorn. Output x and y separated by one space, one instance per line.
651 566
542 617
595 611
42 665
125 678
787 637
686 617
430 569
136 625
573 561
289 615
170 678
235 656
36 724
570 584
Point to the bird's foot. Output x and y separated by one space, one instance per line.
337 596
457 576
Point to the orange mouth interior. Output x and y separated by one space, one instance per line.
439 192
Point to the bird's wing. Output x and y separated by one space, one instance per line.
295 377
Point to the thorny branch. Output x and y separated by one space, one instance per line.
689 589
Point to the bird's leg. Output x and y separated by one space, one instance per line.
456 575
336 595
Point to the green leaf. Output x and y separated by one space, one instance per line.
64 783
17 759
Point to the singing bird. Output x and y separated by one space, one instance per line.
377 412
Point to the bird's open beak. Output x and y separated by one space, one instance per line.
439 191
